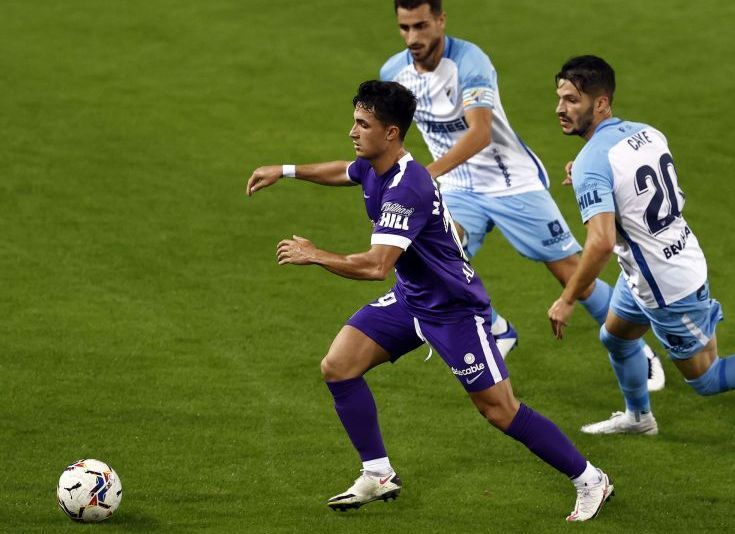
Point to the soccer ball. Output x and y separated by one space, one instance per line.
89 491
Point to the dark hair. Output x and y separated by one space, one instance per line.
435 5
390 102
589 74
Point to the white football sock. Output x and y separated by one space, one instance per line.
379 466
589 476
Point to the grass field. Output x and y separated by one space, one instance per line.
144 321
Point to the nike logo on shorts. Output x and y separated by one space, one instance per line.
567 246
472 380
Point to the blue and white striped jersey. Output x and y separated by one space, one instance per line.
626 168
466 78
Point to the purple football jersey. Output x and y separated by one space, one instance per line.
434 279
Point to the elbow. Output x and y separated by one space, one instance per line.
489 137
486 138
379 272
605 247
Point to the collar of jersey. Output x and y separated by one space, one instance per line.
612 121
401 165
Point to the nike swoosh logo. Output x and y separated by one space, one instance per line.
365 196
567 246
472 380
386 479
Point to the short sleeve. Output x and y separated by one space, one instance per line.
403 215
477 78
593 186
357 169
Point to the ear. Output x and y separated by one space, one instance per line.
442 19
392 133
602 104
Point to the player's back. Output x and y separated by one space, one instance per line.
657 249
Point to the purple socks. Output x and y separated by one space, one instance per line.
545 440
355 406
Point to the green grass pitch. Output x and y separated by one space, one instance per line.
144 321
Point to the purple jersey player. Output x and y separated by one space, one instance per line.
437 298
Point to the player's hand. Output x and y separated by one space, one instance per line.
298 251
263 177
568 171
559 315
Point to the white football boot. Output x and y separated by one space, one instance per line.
367 488
656 377
591 498
624 423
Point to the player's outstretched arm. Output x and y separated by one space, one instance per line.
374 264
598 247
478 136
329 173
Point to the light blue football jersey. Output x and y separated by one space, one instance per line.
626 168
463 79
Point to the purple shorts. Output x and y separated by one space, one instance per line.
466 346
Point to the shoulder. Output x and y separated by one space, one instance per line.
592 164
468 55
413 183
358 169
473 65
394 65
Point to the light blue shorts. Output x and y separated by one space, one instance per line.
531 222
683 327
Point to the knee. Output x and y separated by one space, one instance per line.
619 348
330 370
500 415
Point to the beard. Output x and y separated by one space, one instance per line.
428 51
582 125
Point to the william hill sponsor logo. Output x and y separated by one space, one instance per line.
395 216
590 198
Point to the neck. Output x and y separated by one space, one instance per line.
432 61
593 127
381 164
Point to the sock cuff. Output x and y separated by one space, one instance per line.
519 425
342 387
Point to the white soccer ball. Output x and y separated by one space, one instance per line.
89 491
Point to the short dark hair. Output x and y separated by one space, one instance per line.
589 74
390 102
434 5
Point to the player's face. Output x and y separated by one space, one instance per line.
421 30
575 109
370 137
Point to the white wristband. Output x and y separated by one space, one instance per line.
288 171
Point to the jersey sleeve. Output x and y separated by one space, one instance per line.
403 214
477 78
593 186
357 169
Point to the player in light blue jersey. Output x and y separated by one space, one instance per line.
629 196
488 176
